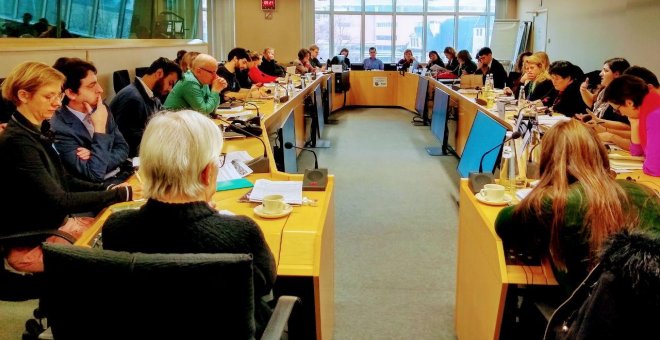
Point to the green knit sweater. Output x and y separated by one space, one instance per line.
534 233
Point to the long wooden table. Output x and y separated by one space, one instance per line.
302 242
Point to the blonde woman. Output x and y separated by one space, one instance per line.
38 193
577 204
538 84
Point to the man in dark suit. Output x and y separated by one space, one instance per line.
487 64
269 65
86 136
136 103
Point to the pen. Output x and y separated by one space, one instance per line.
137 174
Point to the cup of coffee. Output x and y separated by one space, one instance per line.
274 204
493 192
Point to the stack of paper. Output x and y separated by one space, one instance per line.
230 175
550 120
625 162
291 190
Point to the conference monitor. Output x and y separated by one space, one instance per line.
439 122
486 133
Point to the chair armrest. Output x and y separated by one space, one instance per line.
277 323
35 233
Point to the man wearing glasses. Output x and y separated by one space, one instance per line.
487 64
199 89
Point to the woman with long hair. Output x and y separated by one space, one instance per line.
576 205
434 59
465 64
452 60
538 85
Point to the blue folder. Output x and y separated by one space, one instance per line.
233 184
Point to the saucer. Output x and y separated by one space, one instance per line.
507 199
259 210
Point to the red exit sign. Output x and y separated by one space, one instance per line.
267 4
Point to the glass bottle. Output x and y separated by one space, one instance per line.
522 101
508 168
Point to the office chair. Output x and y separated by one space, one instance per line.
140 71
120 79
168 296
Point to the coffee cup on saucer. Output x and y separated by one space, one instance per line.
492 192
273 204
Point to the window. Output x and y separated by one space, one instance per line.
169 19
393 26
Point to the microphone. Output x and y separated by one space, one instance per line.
289 145
256 120
259 164
314 179
514 135
477 180
285 98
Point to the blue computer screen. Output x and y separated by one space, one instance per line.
439 118
420 101
485 134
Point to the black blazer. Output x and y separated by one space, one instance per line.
132 108
499 74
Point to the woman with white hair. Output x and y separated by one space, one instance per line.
179 161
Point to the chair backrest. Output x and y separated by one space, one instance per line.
102 294
140 71
120 79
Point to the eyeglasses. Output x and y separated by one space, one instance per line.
203 69
221 160
55 97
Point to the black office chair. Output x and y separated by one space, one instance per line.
159 296
120 79
140 71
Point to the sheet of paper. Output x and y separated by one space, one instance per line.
234 167
291 190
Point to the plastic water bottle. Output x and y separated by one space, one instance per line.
522 102
508 167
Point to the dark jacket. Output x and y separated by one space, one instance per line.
543 91
34 179
569 102
109 150
620 297
499 74
132 108
271 67
468 67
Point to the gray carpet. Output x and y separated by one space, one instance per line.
396 227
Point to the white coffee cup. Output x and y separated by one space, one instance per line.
273 204
493 192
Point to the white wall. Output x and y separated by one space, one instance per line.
588 32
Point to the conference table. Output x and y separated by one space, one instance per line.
302 242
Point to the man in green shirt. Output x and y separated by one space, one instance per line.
200 87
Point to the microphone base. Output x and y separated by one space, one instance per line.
315 179
477 180
259 165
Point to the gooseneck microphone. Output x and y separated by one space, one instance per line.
285 97
256 120
514 135
259 164
289 145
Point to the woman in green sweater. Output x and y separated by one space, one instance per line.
576 206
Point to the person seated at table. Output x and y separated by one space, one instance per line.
87 137
256 75
466 64
38 193
515 78
314 58
408 62
452 60
612 68
373 63
200 87
237 60
538 86
187 60
576 205
435 63
269 65
180 158
302 63
649 77
137 102
346 63
487 64
566 78
630 96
